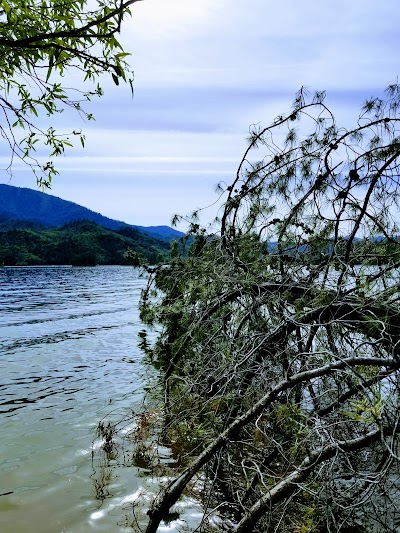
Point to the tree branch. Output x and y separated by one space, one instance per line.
76 33
174 489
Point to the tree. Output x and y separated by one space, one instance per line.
42 41
280 337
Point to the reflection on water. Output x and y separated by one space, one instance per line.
68 358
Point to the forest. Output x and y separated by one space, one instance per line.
80 243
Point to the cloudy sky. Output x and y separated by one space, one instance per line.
204 71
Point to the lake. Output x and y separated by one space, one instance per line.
69 358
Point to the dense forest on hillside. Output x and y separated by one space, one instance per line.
78 243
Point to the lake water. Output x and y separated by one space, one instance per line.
69 358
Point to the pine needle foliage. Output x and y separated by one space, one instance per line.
280 334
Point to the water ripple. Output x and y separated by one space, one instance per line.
68 356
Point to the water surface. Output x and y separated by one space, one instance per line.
68 358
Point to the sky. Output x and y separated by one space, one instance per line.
206 70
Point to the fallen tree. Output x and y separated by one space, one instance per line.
281 332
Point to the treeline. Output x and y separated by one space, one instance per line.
78 243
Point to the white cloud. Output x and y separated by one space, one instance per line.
170 19
204 71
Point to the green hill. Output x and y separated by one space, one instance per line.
78 243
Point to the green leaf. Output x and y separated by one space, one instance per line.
25 72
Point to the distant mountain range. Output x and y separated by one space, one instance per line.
40 229
21 205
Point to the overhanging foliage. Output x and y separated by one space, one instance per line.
41 41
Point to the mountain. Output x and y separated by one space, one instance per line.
161 232
36 208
